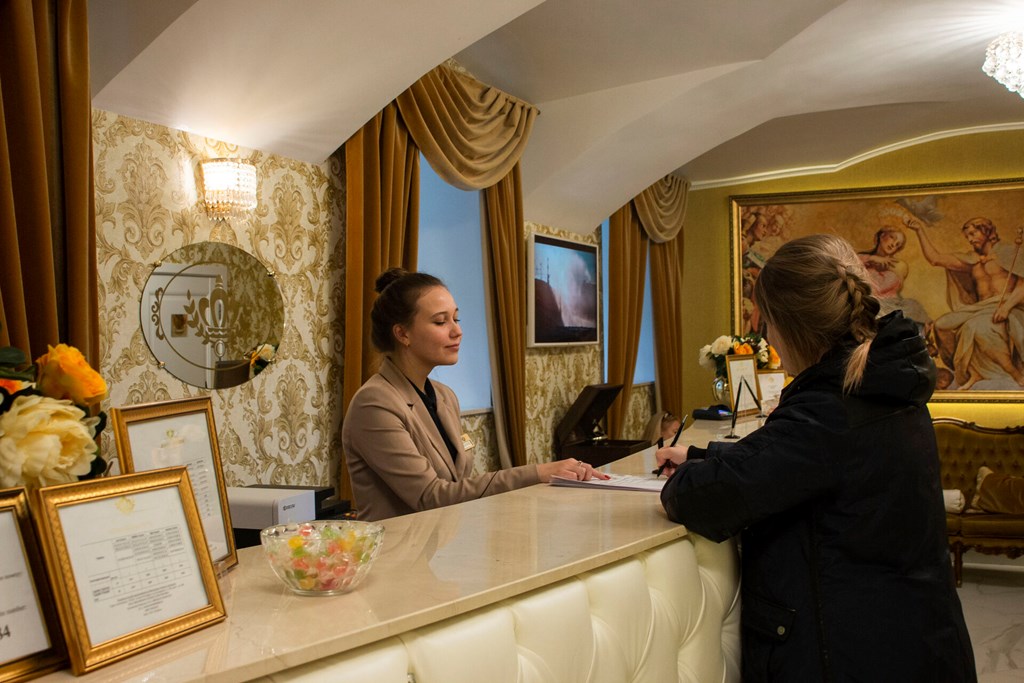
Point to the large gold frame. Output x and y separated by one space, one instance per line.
55 657
123 418
856 215
85 655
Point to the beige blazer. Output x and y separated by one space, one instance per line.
396 458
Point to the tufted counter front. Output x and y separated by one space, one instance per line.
542 584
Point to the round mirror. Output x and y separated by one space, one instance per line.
212 315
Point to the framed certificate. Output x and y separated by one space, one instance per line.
172 433
129 555
30 639
769 386
742 383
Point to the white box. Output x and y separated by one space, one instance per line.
258 508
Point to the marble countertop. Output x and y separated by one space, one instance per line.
434 565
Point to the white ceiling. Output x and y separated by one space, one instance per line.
629 91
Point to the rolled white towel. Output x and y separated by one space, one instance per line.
953 499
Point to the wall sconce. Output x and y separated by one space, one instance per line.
229 187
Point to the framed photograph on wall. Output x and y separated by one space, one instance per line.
920 246
31 642
742 370
129 555
562 299
153 436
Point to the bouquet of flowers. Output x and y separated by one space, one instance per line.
260 357
49 418
712 356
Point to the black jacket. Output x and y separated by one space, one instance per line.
845 568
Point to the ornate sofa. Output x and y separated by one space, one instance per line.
963 448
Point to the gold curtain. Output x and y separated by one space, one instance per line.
662 208
627 269
507 258
473 136
48 282
662 211
382 212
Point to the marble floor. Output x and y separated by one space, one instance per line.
993 602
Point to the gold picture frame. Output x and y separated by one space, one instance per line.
770 384
31 642
888 227
740 368
129 554
181 432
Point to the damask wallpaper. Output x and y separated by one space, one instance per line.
283 427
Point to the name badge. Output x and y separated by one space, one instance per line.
467 443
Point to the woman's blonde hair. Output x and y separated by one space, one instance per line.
814 291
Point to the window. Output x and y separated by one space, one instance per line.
644 371
450 248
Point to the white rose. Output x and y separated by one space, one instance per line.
721 346
705 359
266 352
44 442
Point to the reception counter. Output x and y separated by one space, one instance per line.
541 584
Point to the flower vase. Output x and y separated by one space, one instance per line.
720 390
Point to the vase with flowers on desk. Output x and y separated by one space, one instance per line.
49 418
712 356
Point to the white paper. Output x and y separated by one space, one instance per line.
618 482
184 440
22 630
133 561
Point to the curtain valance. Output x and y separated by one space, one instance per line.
662 208
472 134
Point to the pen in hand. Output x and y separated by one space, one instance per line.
659 470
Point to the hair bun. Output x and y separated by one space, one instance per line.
387 277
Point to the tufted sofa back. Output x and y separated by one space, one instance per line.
964 447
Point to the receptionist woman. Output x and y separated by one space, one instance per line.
403 444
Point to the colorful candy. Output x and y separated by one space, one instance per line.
322 557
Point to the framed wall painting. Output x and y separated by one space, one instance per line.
562 302
31 642
129 554
152 436
947 256
742 371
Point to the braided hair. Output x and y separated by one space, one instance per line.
815 292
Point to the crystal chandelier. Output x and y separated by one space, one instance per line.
1004 61
229 187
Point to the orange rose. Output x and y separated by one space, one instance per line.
773 358
11 385
63 373
743 349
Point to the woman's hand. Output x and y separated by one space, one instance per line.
671 457
568 469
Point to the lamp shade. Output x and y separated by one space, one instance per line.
229 187
1004 61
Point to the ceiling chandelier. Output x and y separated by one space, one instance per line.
1004 61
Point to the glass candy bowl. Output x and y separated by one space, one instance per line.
324 557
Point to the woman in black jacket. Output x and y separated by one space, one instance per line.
837 499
